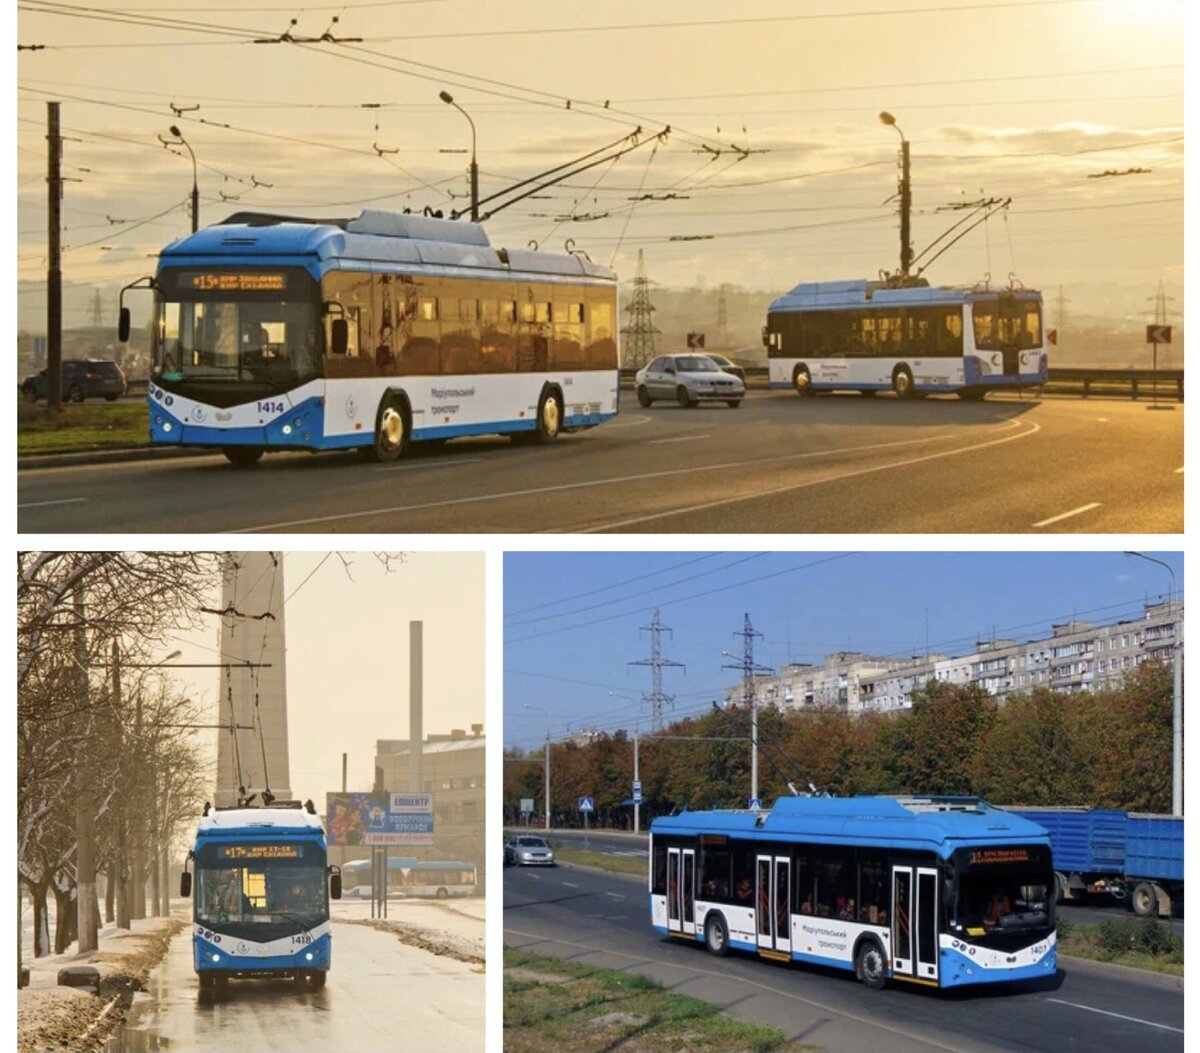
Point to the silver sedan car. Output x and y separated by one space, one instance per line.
688 380
525 850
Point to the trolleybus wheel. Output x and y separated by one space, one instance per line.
243 456
391 430
220 988
802 382
206 988
644 398
442 893
870 965
550 417
902 382
683 398
318 979
716 935
972 394
1145 900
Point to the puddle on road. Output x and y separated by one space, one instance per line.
130 1038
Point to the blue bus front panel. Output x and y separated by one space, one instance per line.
220 952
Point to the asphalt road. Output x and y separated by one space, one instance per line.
601 919
380 995
841 464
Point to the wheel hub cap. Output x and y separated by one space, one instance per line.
550 416
391 428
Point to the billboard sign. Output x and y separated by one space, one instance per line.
364 819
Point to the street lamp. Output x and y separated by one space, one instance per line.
195 184
448 99
1176 691
540 710
906 252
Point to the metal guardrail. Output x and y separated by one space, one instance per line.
1138 380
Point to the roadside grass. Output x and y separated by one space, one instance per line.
1143 943
600 860
550 1004
96 426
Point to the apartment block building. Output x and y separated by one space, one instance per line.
1076 656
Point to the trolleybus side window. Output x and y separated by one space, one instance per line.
658 883
804 882
601 340
742 879
835 883
872 887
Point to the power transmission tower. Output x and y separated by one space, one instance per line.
640 332
749 670
1160 301
657 664
722 316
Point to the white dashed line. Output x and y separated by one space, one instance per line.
677 438
571 884
1067 515
1119 1016
61 501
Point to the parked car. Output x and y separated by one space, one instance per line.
82 378
688 379
525 850
728 366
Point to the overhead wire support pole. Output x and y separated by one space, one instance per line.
54 184
749 670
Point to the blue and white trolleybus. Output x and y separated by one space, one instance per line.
282 333
934 890
914 340
261 906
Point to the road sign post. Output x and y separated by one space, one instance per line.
1155 335
586 805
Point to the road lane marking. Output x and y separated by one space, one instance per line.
1179 471
1119 1016
61 501
678 438
725 977
615 895
787 487
431 464
643 477
1067 515
571 884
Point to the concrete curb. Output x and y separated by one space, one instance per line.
32 462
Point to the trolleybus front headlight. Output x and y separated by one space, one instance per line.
166 427
308 956
287 429
215 956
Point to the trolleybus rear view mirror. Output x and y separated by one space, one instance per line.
340 336
335 886
185 884
123 325
766 337
123 317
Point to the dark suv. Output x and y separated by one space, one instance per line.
82 378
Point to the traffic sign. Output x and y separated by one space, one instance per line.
637 793
1052 337
756 804
527 805
695 341
586 804
1158 334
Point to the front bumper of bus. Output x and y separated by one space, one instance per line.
302 427
229 956
964 963
973 376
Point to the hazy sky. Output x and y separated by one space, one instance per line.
572 619
347 658
1026 98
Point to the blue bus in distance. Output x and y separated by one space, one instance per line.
261 907
940 891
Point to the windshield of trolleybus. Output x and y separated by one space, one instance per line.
261 890
232 341
1003 890
1003 321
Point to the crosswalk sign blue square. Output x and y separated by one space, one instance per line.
586 804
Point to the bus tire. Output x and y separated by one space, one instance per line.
206 988
392 428
902 382
318 979
870 964
972 394
1145 900
243 456
716 934
220 988
442 893
644 399
802 382
550 417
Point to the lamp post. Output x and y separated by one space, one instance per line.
906 252
448 99
540 710
195 184
1176 691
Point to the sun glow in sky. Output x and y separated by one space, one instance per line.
778 166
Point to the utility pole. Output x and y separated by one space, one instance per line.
905 194
97 308
749 670
637 775
640 332
54 273
722 316
137 853
85 845
657 663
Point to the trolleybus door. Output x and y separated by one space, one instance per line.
772 914
915 923
681 898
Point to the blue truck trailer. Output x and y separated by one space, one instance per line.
1134 857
